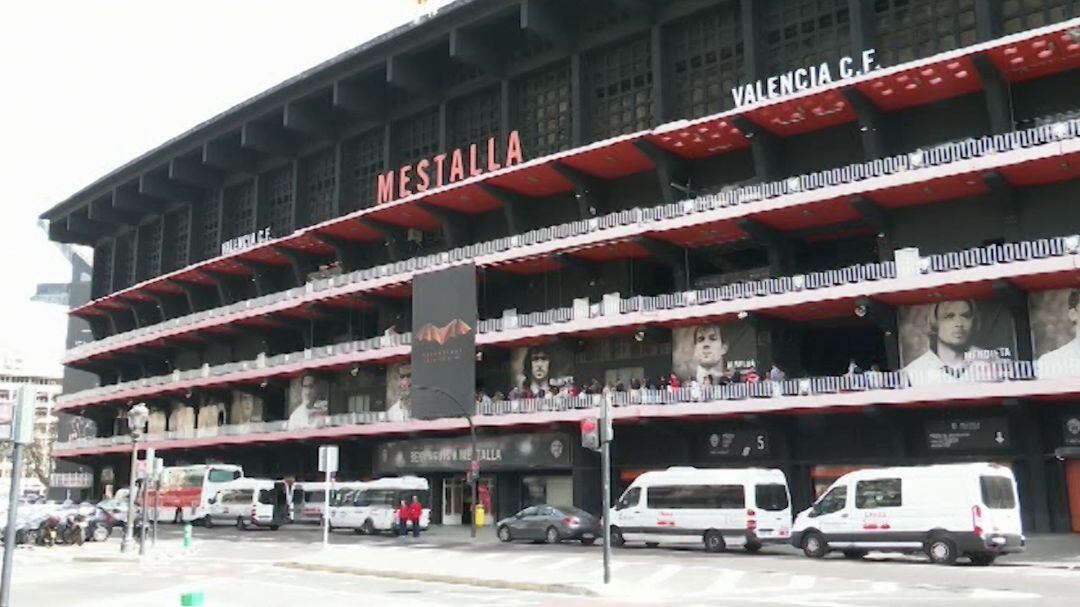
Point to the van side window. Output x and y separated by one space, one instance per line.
673 497
833 501
878 493
771 498
997 492
629 499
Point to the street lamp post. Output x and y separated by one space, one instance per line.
136 418
474 464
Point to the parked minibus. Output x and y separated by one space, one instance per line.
715 508
945 511
250 502
308 502
371 507
186 490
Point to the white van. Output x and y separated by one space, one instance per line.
946 511
715 507
250 502
371 507
308 502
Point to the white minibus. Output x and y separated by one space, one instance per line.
308 501
371 506
250 502
713 507
946 511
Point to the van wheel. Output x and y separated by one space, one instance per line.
551 536
588 542
274 527
240 524
752 547
616 537
504 534
854 554
714 541
178 517
208 522
368 528
982 560
941 550
814 546
652 544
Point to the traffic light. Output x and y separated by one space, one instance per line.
590 434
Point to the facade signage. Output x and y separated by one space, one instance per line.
240 243
444 343
507 452
804 78
1071 429
446 168
736 442
968 434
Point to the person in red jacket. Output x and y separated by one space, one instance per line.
404 514
415 510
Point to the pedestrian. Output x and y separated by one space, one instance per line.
404 514
415 510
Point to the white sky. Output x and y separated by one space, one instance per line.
88 86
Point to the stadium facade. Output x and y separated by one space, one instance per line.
808 234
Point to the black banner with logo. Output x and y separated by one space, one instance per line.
735 442
968 434
444 343
508 452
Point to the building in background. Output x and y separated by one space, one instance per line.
817 235
37 457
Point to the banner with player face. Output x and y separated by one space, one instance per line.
713 350
1055 332
952 341
543 368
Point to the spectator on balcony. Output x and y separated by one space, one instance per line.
874 377
635 390
695 389
853 368
776 374
1066 359
674 383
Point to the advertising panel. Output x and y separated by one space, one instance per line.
1055 332
443 377
714 350
515 451
953 341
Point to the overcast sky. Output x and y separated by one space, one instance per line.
89 86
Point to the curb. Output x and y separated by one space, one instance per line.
1044 565
442 579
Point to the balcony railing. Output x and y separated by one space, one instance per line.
793 389
946 262
941 155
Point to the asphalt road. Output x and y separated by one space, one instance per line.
240 568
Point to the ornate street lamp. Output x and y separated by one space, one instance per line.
136 418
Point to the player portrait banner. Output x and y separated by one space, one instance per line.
443 368
955 341
714 350
542 369
1055 332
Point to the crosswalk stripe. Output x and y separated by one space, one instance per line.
661 574
525 559
884 587
801 582
726 581
563 562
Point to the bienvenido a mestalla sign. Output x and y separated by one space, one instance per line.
448 167
803 79
246 241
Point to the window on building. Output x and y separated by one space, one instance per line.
239 212
473 120
676 497
362 158
319 185
1021 15
149 264
102 269
997 492
358 403
705 55
543 102
210 226
878 493
805 32
416 138
913 29
278 187
176 239
125 261
620 88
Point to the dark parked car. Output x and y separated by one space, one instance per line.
551 524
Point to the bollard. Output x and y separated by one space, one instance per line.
480 515
187 536
191 599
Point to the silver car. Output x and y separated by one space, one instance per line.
551 524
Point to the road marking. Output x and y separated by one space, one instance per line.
884 587
987 593
726 581
563 562
801 582
525 559
661 574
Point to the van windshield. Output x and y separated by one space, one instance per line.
772 497
266 496
218 475
997 492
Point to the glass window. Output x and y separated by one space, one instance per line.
530 511
629 499
237 496
696 497
266 496
314 497
833 501
771 497
880 493
220 476
997 492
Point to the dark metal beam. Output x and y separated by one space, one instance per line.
672 172
1004 195
871 123
591 268
473 48
877 218
364 101
266 139
59 232
456 226
395 237
302 263
777 245
259 274
84 225
412 76
309 123
229 157
764 147
988 20
1016 300
997 94
590 192
349 254
753 39
512 205
159 187
102 210
549 21
864 34
194 174
676 257
132 200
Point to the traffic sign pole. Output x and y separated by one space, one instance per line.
328 463
605 474
22 432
